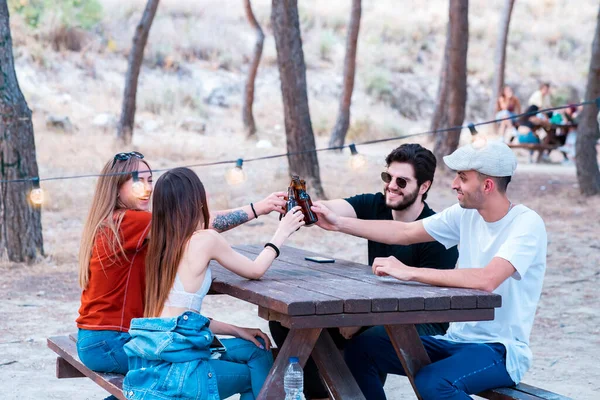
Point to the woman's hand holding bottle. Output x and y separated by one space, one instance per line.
289 224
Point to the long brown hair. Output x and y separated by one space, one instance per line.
106 213
178 208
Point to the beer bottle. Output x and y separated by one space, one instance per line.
306 203
292 201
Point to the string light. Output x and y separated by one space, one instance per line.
37 193
357 161
138 189
236 175
478 141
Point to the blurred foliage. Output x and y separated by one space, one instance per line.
72 13
378 84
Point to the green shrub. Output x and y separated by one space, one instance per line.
326 45
84 14
378 85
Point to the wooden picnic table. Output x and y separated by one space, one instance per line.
306 297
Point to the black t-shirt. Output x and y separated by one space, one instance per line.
420 255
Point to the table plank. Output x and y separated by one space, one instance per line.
408 293
272 294
371 319
356 276
353 301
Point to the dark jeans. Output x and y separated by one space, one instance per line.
456 369
313 386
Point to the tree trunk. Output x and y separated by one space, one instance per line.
338 135
136 56
456 79
586 159
440 113
20 221
292 73
500 58
247 116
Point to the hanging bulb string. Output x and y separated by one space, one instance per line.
295 153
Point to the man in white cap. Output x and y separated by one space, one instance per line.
502 249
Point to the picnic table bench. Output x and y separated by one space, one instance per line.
307 297
552 141
539 147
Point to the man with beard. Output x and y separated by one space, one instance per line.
407 180
503 251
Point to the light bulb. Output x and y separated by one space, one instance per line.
138 189
357 161
37 196
479 142
236 175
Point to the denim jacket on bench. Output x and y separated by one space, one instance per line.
168 359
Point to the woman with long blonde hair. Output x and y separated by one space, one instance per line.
169 354
112 257
112 262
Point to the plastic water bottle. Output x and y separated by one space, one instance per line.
293 380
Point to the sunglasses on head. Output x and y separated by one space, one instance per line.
126 156
387 178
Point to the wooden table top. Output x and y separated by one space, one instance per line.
296 287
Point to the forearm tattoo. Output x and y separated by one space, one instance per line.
224 222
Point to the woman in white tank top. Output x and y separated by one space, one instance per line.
178 277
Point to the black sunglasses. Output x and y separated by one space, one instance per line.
387 178
126 156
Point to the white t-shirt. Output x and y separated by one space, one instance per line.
520 238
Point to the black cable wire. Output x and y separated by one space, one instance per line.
368 142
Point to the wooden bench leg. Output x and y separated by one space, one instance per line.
410 350
299 343
336 374
66 370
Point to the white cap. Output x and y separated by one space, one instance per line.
493 158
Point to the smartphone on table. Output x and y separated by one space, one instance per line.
320 260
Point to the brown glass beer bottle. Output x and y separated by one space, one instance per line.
292 200
306 203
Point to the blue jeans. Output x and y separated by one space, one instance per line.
102 351
529 137
243 368
456 369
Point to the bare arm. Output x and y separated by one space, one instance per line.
544 123
223 328
517 106
388 232
487 278
224 220
341 207
215 247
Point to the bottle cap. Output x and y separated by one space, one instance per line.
294 360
